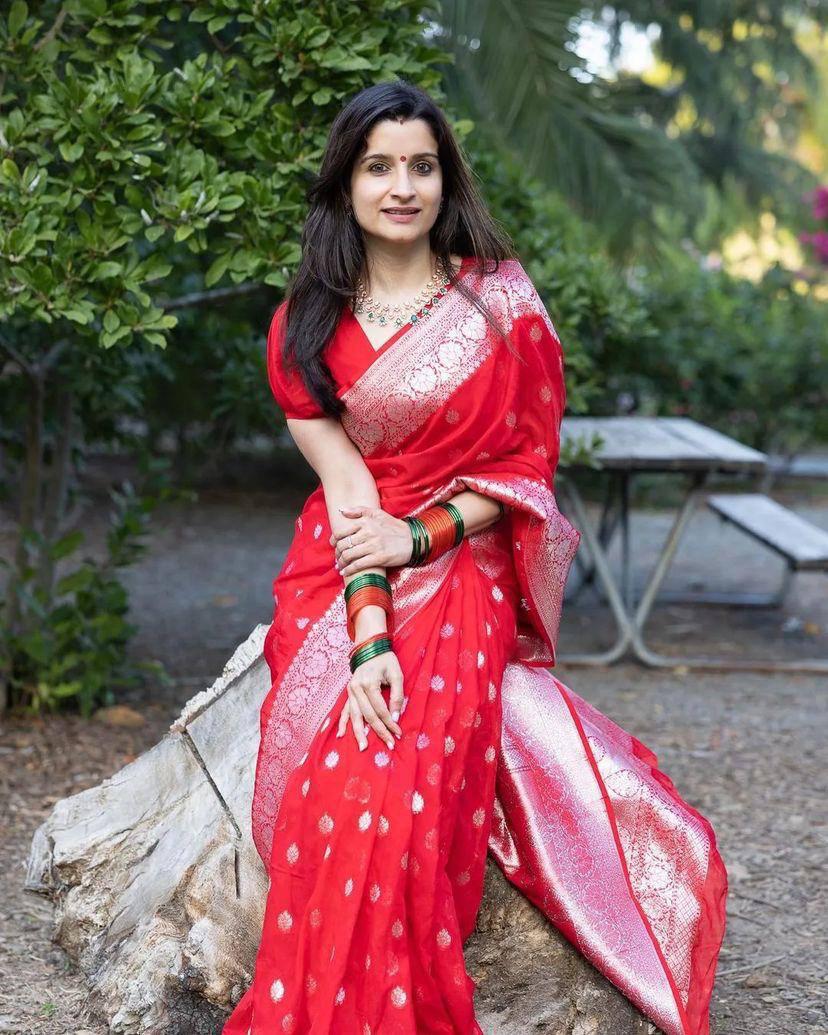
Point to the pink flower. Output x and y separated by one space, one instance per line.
820 200
819 240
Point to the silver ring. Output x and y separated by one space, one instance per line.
349 542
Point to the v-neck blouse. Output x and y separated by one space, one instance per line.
348 354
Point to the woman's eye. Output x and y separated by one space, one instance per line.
382 165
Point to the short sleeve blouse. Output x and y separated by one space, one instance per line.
287 386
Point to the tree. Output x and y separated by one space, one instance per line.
149 151
638 154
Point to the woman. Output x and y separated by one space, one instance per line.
412 722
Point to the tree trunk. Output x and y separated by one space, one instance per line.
159 892
57 485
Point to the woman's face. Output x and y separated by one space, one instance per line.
399 169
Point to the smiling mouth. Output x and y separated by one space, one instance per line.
401 211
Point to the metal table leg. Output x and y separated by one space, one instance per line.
621 601
601 565
607 525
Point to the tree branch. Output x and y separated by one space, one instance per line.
21 361
55 29
200 297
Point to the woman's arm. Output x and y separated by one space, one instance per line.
478 511
381 538
347 482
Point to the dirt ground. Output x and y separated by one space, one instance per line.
748 750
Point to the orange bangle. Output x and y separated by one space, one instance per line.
369 595
365 642
441 530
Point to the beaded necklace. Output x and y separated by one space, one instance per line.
400 313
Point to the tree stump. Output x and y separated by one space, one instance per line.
159 892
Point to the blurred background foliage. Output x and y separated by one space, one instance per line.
652 162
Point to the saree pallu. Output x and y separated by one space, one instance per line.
574 808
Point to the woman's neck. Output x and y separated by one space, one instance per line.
396 273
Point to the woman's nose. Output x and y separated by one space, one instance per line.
402 184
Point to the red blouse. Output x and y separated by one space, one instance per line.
348 354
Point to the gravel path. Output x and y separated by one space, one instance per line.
747 750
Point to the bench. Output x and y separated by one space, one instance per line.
803 544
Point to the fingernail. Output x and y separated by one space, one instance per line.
395 716
339 734
391 744
363 745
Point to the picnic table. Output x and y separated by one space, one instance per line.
631 446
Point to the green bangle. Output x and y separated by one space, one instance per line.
421 541
370 650
457 517
366 578
421 538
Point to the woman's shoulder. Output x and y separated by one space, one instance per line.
506 280
512 290
287 386
498 272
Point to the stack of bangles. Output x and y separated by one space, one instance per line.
368 588
435 531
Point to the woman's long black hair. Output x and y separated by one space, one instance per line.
333 250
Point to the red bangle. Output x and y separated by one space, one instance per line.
441 531
369 595
365 642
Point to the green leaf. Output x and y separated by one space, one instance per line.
217 270
17 17
66 544
111 321
9 170
217 23
106 269
76 316
71 151
75 581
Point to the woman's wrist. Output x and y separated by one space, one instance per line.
369 620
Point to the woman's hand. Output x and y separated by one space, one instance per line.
366 704
372 539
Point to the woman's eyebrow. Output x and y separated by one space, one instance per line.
420 154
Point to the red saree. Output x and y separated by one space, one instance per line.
376 858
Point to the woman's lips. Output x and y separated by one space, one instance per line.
401 217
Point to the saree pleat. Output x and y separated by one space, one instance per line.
364 926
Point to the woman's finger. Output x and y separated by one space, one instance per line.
396 698
357 724
346 542
373 720
381 708
344 549
343 533
352 564
344 715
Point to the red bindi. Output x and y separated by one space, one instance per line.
402 158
